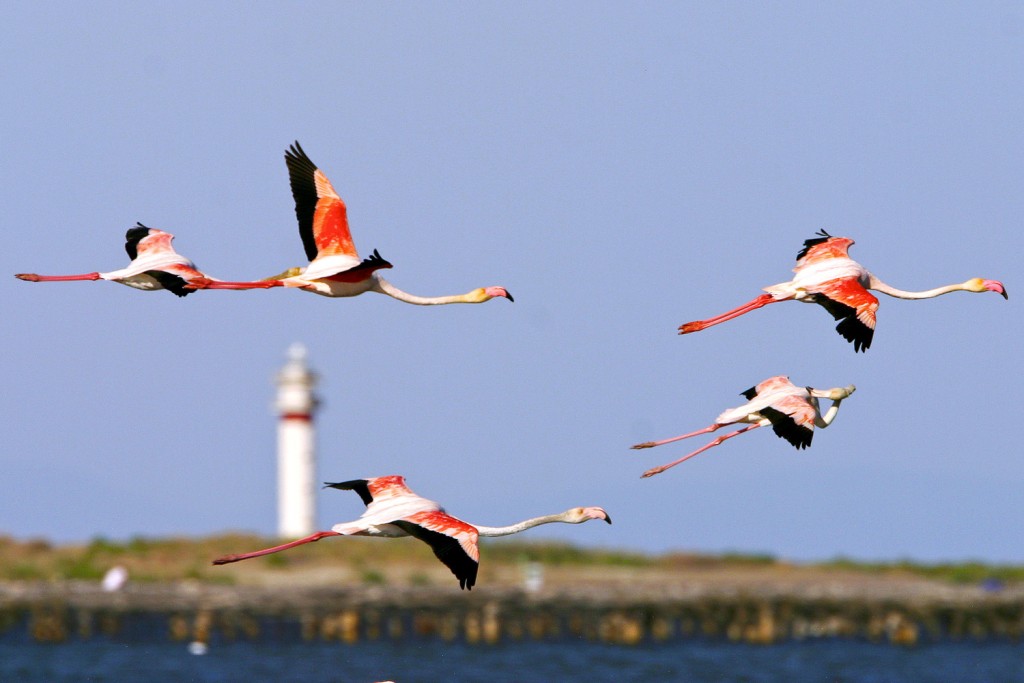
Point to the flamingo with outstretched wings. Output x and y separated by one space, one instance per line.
335 269
393 510
792 412
827 276
155 265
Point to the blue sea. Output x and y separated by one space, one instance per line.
415 660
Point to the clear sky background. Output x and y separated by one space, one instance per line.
620 168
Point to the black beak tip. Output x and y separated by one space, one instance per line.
509 295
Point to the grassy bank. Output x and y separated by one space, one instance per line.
408 561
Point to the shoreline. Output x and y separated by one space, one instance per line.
902 613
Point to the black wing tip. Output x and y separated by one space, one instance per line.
298 161
813 242
132 238
799 439
302 179
345 485
175 284
376 260
749 394
461 565
468 579
447 550
850 327
360 486
786 428
295 151
856 332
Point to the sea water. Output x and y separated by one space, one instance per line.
565 660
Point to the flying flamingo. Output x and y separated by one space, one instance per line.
792 412
826 275
335 269
155 265
392 511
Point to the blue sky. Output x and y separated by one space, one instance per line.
621 169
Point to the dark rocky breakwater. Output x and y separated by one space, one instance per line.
899 613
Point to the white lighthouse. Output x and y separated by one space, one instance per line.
296 446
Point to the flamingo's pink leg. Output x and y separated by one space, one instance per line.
32 277
698 325
276 549
658 470
259 284
652 444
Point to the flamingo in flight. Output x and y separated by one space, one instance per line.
335 269
155 265
392 511
826 275
792 412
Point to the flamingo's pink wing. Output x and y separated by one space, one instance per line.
375 488
322 215
145 240
851 293
453 541
772 384
821 248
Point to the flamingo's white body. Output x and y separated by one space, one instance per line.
792 411
319 277
826 275
155 255
335 269
155 265
393 510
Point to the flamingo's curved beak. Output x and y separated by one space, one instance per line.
492 292
995 286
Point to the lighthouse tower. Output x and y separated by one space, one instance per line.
296 446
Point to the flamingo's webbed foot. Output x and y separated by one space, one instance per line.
687 328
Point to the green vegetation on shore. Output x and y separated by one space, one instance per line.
174 559
952 572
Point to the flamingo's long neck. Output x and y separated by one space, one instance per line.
520 526
880 286
837 395
829 415
825 420
384 287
